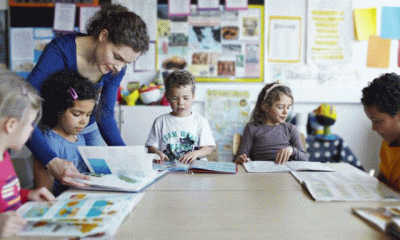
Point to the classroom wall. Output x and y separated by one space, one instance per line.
352 124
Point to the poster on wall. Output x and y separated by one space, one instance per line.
214 45
330 32
227 111
284 39
26 46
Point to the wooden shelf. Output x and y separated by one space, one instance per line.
15 3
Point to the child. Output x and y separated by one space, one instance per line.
268 137
381 101
69 100
20 110
180 135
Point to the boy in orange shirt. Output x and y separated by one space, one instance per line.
381 101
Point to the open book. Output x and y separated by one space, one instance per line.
345 186
385 218
78 214
270 166
125 168
199 166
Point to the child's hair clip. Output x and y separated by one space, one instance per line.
24 91
74 95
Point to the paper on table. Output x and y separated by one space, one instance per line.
269 166
339 186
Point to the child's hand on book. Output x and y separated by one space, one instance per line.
162 156
41 194
241 159
188 157
11 223
284 155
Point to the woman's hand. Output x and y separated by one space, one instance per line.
41 194
11 223
65 172
284 155
241 159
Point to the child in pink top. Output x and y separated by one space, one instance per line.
20 110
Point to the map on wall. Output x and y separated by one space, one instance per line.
214 45
228 112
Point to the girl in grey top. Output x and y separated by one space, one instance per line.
267 137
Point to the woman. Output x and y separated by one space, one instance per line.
115 38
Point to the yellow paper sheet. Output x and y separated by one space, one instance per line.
378 54
365 23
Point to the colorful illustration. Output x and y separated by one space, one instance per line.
99 165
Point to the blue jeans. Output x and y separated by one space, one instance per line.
92 135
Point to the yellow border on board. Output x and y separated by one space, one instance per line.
269 38
233 79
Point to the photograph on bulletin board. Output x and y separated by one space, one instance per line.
214 45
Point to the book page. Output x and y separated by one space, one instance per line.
114 182
308 166
218 167
338 186
265 166
172 166
120 160
77 214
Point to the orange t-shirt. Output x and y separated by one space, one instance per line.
389 166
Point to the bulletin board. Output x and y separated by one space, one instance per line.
214 45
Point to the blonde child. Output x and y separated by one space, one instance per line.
20 110
180 135
381 101
267 137
69 100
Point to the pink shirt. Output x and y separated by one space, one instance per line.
11 196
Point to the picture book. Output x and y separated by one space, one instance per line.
270 166
78 214
198 166
387 219
172 166
127 168
345 186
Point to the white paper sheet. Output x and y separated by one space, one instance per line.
85 13
64 17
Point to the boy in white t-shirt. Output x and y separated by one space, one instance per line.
181 134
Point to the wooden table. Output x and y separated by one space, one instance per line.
242 206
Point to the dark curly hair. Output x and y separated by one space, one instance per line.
259 115
177 79
57 95
124 28
384 93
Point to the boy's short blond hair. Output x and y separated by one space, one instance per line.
177 79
